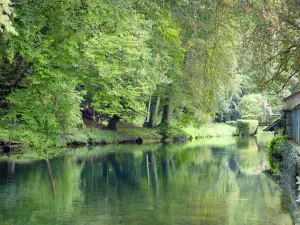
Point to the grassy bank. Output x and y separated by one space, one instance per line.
4 135
96 137
125 135
122 135
211 130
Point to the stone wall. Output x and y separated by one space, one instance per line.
290 170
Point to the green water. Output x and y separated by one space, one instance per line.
215 181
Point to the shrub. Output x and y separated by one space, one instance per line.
168 132
231 123
4 134
274 146
179 138
246 127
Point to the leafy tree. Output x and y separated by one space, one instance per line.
123 74
6 13
254 105
47 56
273 42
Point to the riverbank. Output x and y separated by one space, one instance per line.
102 137
212 130
124 135
96 137
285 161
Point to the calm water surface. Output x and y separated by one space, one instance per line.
215 181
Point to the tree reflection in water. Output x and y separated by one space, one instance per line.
206 182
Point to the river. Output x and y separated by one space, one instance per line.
211 181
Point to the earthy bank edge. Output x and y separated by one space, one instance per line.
103 137
128 136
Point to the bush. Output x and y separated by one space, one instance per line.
274 146
179 138
231 123
4 134
246 127
169 132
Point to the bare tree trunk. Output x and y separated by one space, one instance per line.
148 111
153 112
167 114
113 123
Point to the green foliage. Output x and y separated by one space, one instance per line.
254 104
274 164
124 72
246 127
211 130
45 111
4 134
270 42
169 132
111 56
6 13
275 145
83 137
187 117
231 123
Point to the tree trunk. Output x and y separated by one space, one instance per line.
148 110
153 110
167 114
113 123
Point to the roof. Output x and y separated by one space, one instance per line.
295 93
273 125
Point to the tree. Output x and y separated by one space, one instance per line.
47 57
123 74
254 105
272 39
6 13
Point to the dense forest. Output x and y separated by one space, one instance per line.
167 63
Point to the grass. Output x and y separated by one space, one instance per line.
3 134
128 135
211 130
110 137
